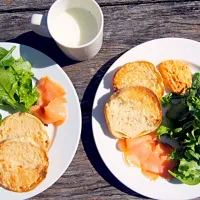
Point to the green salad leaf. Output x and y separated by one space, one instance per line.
165 101
6 58
16 87
163 130
3 53
7 82
176 155
28 95
20 66
196 81
184 116
188 172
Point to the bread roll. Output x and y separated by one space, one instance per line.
24 124
141 73
23 165
132 112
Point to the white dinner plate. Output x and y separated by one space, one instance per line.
65 138
154 51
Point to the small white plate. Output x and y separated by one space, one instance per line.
154 51
65 138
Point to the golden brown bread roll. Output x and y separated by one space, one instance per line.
133 111
141 73
24 124
23 164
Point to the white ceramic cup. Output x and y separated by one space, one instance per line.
42 25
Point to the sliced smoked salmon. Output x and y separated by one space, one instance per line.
49 90
140 140
50 108
141 153
152 164
56 111
122 145
148 153
40 114
167 164
152 176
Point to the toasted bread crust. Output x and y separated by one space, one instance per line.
176 75
133 111
141 73
23 166
24 124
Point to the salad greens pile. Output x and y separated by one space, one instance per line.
182 123
16 89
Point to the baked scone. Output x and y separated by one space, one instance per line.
176 75
132 112
24 124
23 164
141 73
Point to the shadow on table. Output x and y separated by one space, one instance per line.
45 45
87 136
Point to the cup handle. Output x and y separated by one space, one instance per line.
39 25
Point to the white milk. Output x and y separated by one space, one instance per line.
74 27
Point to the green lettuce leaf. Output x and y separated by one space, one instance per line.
3 53
16 87
6 58
176 155
196 81
20 66
191 155
188 172
195 89
185 129
7 82
28 96
166 100
163 130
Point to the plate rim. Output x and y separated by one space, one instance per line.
79 119
95 100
